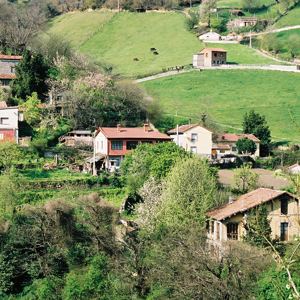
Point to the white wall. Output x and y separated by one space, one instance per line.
13 118
101 144
203 144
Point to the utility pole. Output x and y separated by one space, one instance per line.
250 41
94 155
118 5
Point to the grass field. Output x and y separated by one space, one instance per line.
240 54
78 27
292 18
124 40
227 95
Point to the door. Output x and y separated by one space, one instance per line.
284 231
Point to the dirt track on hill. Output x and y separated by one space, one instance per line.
267 178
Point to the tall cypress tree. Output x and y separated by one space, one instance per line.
32 73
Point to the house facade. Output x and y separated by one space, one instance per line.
112 143
193 138
226 143
209 57
283 211
8 64
9 123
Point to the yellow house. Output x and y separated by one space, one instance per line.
227 222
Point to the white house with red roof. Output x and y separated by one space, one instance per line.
112 143
194 138
225 143
9 123
8 65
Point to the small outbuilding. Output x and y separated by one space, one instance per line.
210 36
209 57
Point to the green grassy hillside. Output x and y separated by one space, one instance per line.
227 95
124 40
290 19
78 27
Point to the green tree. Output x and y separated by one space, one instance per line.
32 109
150 160
258 229
245 179
10 153
256 124
32 73
245 146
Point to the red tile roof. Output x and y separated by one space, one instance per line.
184 128
10 57
132 133
212 50
233 137
7 76
3 104
245 202
221 147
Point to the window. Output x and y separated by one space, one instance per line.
194 149
1 136
284 231
284 206
194 137
117 145
12 69
222 151
130 145
234 149
115 161
232 231
4 121
215 54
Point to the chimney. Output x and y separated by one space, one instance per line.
146 127
118 127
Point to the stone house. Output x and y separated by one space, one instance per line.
7 68
193 138
77 138
209 57
228 221
242 22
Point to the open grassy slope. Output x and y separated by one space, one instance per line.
290 19
124 40
240 54
228 94
78 27
130 36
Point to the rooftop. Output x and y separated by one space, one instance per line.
246 202
7 76
234 137
132 133
10 57
184 128
204 50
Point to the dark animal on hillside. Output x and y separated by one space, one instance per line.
136 59
155 53
153 49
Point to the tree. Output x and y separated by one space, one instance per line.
256 124
32 73
293 45
205 10
245 179
251 5
10 153
258 227
32 109
149 160
245 146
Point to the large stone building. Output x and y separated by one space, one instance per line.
228 221
209 57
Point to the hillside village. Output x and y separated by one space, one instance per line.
150 149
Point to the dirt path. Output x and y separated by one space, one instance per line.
272 31
267 178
